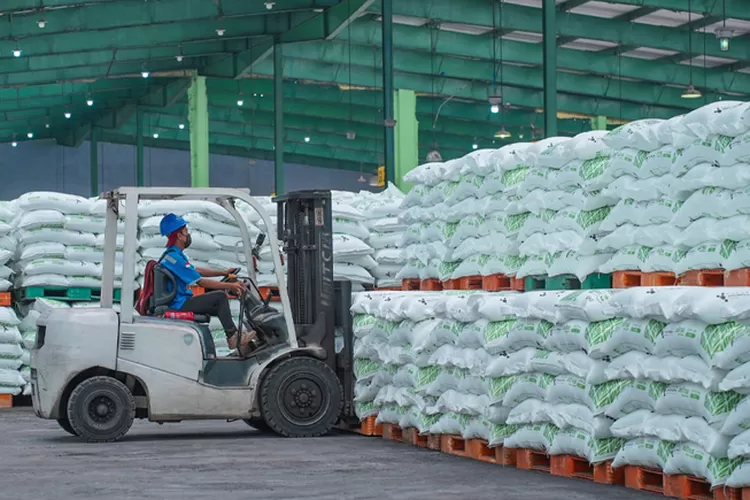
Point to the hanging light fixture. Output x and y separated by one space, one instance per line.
17 51
691 92
41 23
502 133
496 98
434 156
182 126
307 139
723 33
30 135
14 144
67 115
89 101
156 135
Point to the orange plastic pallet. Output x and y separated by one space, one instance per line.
392 432
532 460
630 279
510 457
368 427
6 401
389 289
738 277
479 449
705 277
413 437
470 283
580 468
410 285
693 488
500 282
431 285
434 442
639 478
5 299
454 445
451 285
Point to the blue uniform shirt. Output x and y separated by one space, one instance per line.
177 263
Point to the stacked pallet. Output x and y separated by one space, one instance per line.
617 385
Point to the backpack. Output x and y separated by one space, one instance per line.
147 291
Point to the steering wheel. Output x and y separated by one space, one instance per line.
232 276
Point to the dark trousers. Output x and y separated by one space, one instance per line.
214 303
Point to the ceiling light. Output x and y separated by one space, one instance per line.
17 52
180 58
502 133
691 93
30 135
495 101
351 135
475 146
724 34
307 139
182 126
434 155
46 125
240 102
67 115
156 135
42 23
89 102
221 31
269 5
14 144
362 179
145 74
261 95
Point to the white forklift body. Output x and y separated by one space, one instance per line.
91 365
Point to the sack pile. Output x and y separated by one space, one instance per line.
655 377
12 355
385 233
60 240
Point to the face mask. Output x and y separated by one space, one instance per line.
188 241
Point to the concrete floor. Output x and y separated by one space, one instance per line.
217 460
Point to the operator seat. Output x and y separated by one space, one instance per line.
165 290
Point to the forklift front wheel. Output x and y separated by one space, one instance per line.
301 397
64 424
258 424
101 409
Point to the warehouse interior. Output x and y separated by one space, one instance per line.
499 248
133 62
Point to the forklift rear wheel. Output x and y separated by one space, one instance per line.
101 409
258 424
65 425
301 397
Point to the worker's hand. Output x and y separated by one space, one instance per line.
236 288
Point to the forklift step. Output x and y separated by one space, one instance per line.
64 293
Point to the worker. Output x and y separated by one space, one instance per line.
213 303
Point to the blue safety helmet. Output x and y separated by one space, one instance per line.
171 223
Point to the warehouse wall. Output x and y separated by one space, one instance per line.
42 165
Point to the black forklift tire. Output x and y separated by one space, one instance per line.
101 410
258 424
64 424
301 397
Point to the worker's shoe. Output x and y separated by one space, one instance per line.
242 341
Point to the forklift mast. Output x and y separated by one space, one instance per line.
320 306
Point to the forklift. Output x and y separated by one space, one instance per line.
95 370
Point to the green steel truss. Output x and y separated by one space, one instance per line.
76 50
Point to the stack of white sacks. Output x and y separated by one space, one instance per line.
648 377
385 233
564 194
12 357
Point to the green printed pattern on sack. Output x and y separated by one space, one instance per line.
664 450
364 322
364 367
516 176
543 380
549 431
721 403
499 386
501 431
727 248
386 326
655 389
717 338
499 329
722 468
514 223
653 329
605 394
605 447
595 167
601 331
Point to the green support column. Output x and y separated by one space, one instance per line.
94 143
388 104
198 120
407 136
278 118
549 28
599 123
139 147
